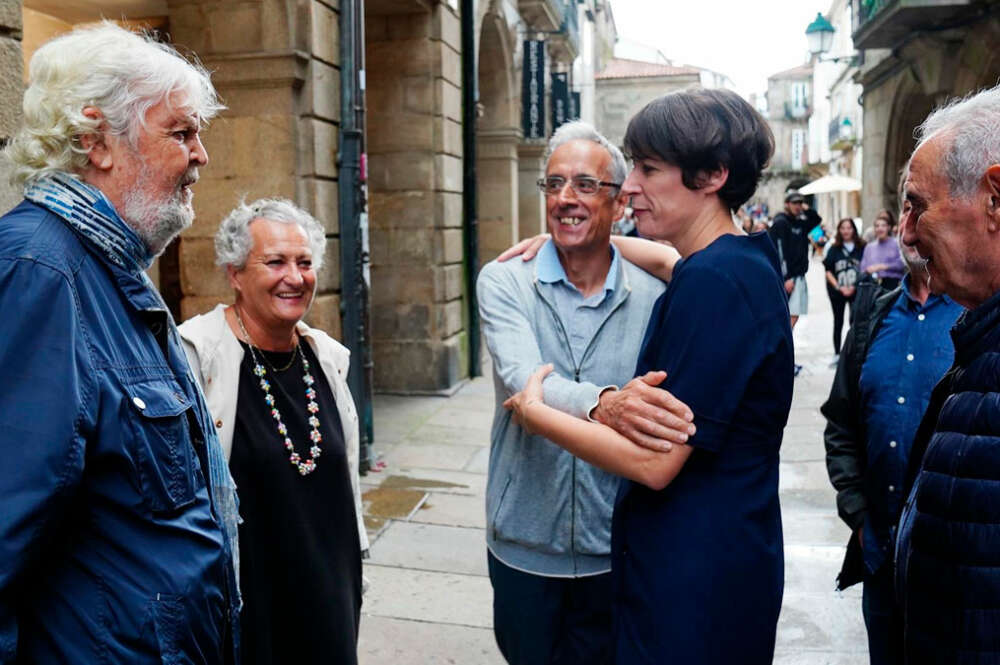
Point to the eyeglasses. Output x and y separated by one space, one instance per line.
581 184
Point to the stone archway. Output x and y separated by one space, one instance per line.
497 138
910 108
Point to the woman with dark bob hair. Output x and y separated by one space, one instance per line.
697 557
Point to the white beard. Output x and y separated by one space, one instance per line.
157 222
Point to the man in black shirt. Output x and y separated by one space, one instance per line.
790 233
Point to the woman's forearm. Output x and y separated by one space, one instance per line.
604 447
831 280
653 257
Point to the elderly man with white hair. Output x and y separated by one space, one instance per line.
118 523
948 548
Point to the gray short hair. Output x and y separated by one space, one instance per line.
578 130
973 125
121 73
233 242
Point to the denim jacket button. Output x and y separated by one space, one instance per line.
139 403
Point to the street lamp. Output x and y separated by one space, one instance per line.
819 34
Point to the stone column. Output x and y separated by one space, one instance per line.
497 171
275 64
531 203
11 91
415 163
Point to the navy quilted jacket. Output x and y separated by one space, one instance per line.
948 551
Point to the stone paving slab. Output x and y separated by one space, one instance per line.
802 475
430 433
430 456
428 596
452 510
438 480
447 549
405 642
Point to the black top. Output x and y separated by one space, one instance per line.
698 565
791 237
300 559
843 264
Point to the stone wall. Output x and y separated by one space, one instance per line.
901 87
415 163
620 99
276 66
11 90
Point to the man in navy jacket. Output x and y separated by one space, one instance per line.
948 548
118 520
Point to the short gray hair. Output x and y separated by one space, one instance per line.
973 125
233 242
578 130
121 73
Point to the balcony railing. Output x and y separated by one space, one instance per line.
797 111
841 132
885 23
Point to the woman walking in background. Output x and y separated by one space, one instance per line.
842 265
881 261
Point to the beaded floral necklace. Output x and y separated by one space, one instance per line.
304 467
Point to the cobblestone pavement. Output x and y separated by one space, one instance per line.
429 599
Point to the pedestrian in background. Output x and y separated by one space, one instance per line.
790 233
881 261
842 263
897 349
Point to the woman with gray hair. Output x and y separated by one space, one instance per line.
287 424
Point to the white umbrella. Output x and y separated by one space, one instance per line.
831 183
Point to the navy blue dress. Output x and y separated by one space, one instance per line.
699 566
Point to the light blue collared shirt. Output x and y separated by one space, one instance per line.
580 315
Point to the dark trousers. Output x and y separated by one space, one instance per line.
883 618
838 302
551 620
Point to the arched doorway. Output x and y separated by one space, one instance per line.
497 137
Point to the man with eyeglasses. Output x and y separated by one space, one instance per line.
583 307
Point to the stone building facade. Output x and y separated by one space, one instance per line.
276 64
789 107
625 86
915 56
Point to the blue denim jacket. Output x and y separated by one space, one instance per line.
111 549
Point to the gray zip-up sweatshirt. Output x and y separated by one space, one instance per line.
547 512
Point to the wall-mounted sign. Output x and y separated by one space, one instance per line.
560 99
533 90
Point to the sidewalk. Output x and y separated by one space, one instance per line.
430 597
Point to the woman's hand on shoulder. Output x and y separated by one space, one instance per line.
527 249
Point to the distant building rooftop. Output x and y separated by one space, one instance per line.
620 68
800 72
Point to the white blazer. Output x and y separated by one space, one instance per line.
215 355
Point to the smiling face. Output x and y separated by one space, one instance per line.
847 231
882 228
663 206
275 287
951 234
582 222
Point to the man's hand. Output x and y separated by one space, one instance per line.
527 248
651 417
789 285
